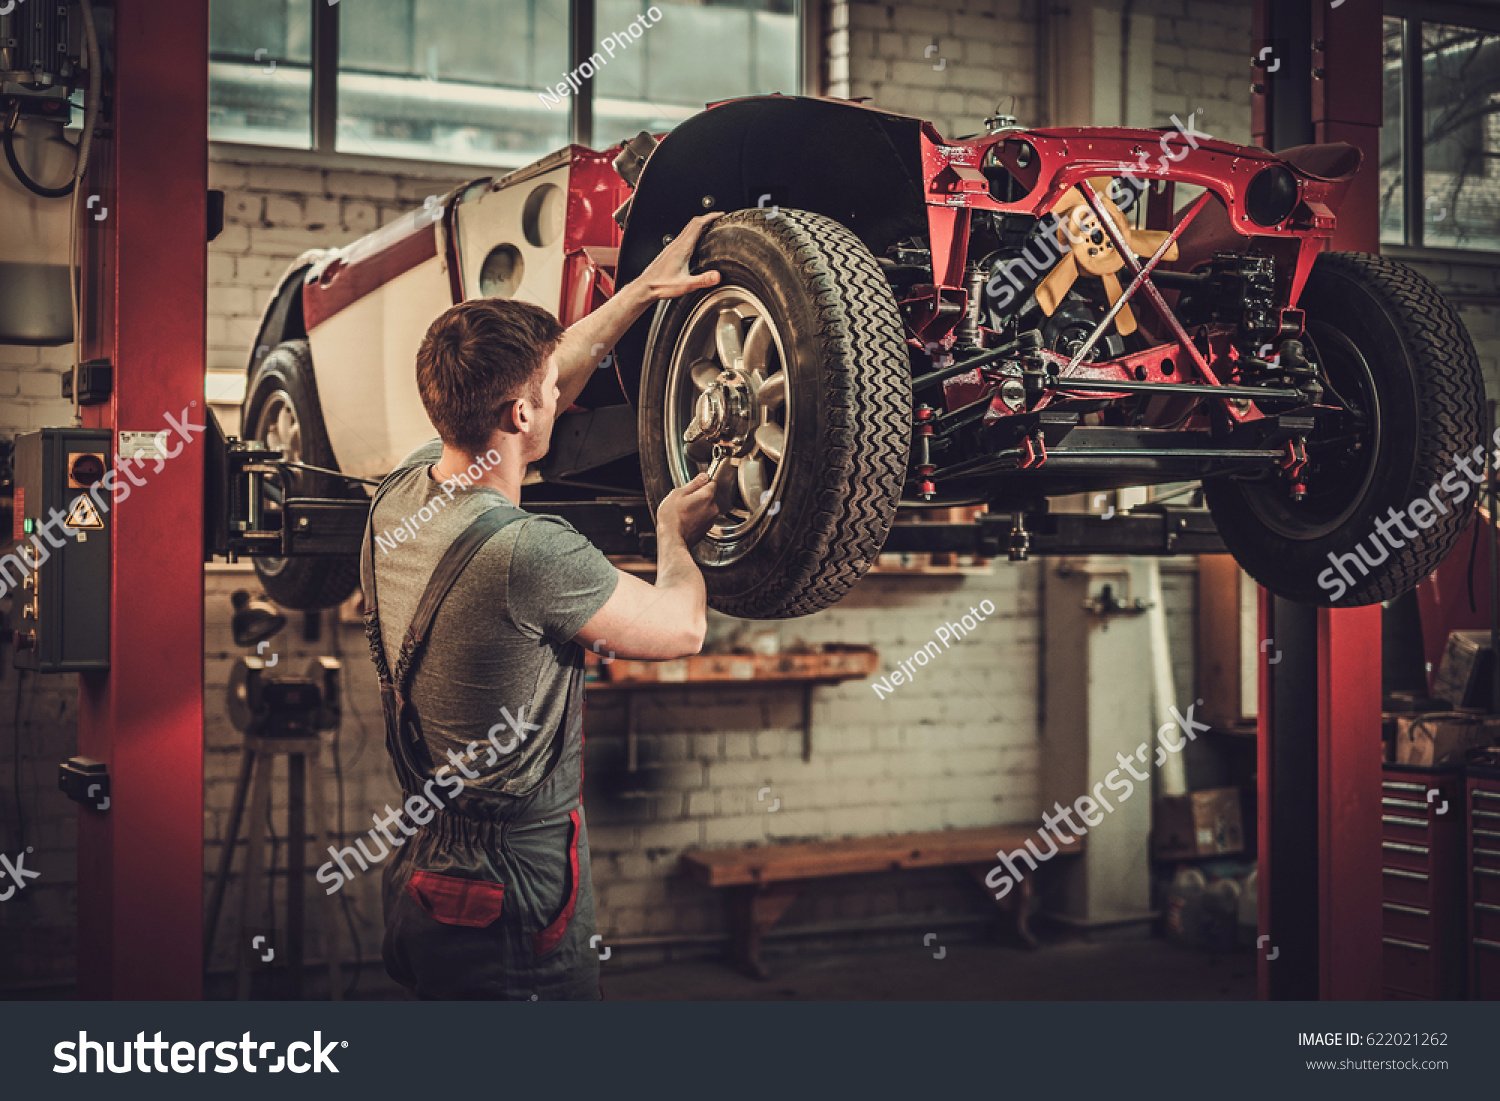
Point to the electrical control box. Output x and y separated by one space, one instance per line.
58 572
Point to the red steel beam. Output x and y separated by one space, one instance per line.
1345 106
140 863
1349 884
1265 794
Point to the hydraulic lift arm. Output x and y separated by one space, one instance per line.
238 525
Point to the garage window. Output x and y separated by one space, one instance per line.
260 72
484 82
1440 138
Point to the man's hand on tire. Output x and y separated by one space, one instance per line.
669 275
690 510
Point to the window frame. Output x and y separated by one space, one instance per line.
324 153
1414 14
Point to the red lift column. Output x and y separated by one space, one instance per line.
140 863
1319 823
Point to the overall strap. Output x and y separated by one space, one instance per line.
404 741
444 575
367 586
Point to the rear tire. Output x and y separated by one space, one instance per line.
281 410
1394 347
820 452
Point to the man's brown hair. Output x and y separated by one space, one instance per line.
476 357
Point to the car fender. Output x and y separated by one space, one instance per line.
858 165
281 319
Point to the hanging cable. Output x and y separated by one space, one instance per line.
9 141
85 144
73 277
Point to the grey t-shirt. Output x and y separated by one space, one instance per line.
503 637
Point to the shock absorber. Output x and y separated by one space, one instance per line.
966 332
924 452
1294 466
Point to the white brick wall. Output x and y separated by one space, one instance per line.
949 61
271 215
986 52
1202 53
955 747
31 388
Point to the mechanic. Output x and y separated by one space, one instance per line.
493 607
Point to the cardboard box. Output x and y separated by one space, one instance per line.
1205 823
1464 673
1442 737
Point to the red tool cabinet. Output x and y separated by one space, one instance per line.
1482 803
1422 819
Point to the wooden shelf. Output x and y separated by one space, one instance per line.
831 664
757 682
802 671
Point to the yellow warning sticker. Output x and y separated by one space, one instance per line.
84 516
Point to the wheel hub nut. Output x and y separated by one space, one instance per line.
722 414
708 418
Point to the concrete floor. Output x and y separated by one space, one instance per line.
1109 971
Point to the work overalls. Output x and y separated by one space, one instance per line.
492 897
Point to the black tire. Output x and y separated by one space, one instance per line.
284 380
819 525
1392 346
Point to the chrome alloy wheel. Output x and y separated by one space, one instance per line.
727 395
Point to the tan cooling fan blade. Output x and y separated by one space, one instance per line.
1088 248
1053 289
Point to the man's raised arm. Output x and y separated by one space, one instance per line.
667 619
588 341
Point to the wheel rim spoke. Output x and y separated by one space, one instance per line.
727 337
773 391
283 433
771 439
752 482
704 372
758 342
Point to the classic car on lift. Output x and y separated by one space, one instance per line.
906 320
